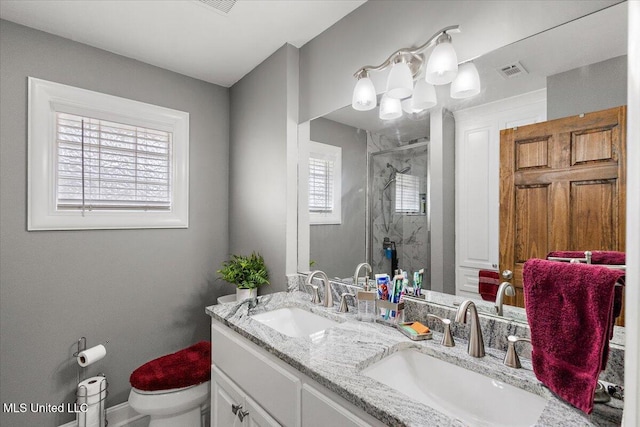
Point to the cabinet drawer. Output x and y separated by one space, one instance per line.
318 410
271 386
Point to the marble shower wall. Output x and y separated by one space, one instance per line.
408 231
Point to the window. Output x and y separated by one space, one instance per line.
325 188
407 193
99 161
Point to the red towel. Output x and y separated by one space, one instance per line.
569 309
597 257
604 258
488 283
184 368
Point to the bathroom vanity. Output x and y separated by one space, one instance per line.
265 373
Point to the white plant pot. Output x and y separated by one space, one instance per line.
242 294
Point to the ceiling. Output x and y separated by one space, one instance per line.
185 36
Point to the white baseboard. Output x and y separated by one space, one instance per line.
117 416
122 415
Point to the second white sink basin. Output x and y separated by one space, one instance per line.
295 322
474 399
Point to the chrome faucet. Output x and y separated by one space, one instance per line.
368 271
511 359
505 288
327 301
476 343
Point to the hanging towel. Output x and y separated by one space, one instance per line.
597 257
570 312
488 282
604 258
184 368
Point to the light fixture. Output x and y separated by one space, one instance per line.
406 64
400 80
390 108
443 62
364 94
466 83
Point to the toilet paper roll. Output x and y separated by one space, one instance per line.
91 355
92 393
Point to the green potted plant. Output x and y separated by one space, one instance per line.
247 273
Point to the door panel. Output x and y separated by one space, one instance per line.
562 187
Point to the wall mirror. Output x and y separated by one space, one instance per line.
383 160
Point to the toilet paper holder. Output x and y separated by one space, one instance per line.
82 393
91 408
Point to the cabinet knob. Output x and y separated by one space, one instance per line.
235 408
242 414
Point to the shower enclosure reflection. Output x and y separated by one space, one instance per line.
398 220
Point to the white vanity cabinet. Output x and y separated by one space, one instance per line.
232 407
477 155
271 392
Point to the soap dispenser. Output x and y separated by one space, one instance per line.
366 305
366 297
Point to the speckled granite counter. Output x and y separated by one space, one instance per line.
335 359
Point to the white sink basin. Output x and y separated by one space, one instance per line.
295 322
474 399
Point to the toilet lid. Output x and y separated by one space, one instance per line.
184 368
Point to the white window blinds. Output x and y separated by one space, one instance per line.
111 166
407 193
321 176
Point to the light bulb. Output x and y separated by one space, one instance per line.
400 81
364 95
390 108
466 83
443 63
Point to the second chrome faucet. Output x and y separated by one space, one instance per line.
476 343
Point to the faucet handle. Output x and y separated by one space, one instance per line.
447 337
511 359
315 295
344 308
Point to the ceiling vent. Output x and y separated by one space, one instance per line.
221 6
512 70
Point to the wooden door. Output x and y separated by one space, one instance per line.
562 187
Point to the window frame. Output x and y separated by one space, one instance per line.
326 151
46 99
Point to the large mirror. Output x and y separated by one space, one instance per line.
385 178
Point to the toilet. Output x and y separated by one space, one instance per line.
173 388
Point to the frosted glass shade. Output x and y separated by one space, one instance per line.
407 106
466 83
443 64
364 95
400 81
390 108
424 95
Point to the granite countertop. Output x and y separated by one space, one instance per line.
336 358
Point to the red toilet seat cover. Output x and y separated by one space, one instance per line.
184 368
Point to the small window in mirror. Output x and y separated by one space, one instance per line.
325 189
407 194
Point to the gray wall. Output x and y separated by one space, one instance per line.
259 184
586 89
442 201
143 291
338 249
